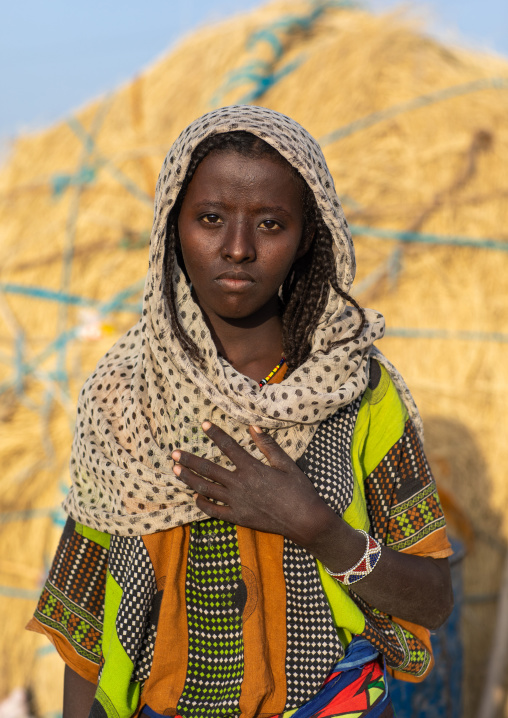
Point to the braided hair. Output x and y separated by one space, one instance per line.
305 290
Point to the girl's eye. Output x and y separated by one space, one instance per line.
270 224
211 219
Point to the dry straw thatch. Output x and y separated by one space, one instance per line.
75 210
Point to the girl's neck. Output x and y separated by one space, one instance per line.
253 350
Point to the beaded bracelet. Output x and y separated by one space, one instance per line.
364 566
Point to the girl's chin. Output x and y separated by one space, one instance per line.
241 310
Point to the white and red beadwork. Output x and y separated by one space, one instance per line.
364 566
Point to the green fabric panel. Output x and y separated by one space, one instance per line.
379 425
98 537
381 419
117 695
347 617
356 513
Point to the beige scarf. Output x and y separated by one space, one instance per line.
147 397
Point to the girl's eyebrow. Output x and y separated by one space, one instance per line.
206 203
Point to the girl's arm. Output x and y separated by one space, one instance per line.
279 498
410 587
78 695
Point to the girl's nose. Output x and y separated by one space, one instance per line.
239 245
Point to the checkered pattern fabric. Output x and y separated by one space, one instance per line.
144 659
327 459
215 596
130 566
313 644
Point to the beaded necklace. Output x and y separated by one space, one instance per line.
272 373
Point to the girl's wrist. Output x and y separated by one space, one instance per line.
333 542
323 530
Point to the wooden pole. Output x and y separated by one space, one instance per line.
492 698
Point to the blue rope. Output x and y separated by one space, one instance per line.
116 303
29 514
60 182
13 592
47 294
417 237
102 162
390 267
19 352
45 651
72 219
463 336
74 299
492 83
260 73
267 35
264 82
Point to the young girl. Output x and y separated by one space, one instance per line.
251 505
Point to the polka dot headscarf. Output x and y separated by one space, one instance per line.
147 397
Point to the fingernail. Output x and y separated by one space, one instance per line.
177 469
176 455
206 425
257 429
195 495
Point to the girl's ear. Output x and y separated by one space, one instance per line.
306 240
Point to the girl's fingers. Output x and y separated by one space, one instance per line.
201 466
207 489
269 447
226 444
213 510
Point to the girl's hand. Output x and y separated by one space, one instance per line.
278 498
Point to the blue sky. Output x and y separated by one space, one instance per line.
57 55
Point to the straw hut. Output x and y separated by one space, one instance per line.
416 137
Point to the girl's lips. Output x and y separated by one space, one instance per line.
234 280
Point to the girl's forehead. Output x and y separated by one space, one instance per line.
217 159
257 167
240 176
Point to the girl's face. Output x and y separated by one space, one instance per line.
240 228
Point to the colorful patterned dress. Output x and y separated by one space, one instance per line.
211 620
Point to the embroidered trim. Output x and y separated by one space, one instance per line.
414 519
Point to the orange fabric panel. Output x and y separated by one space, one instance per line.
264 629
83 667
436 545
264 617
168 553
